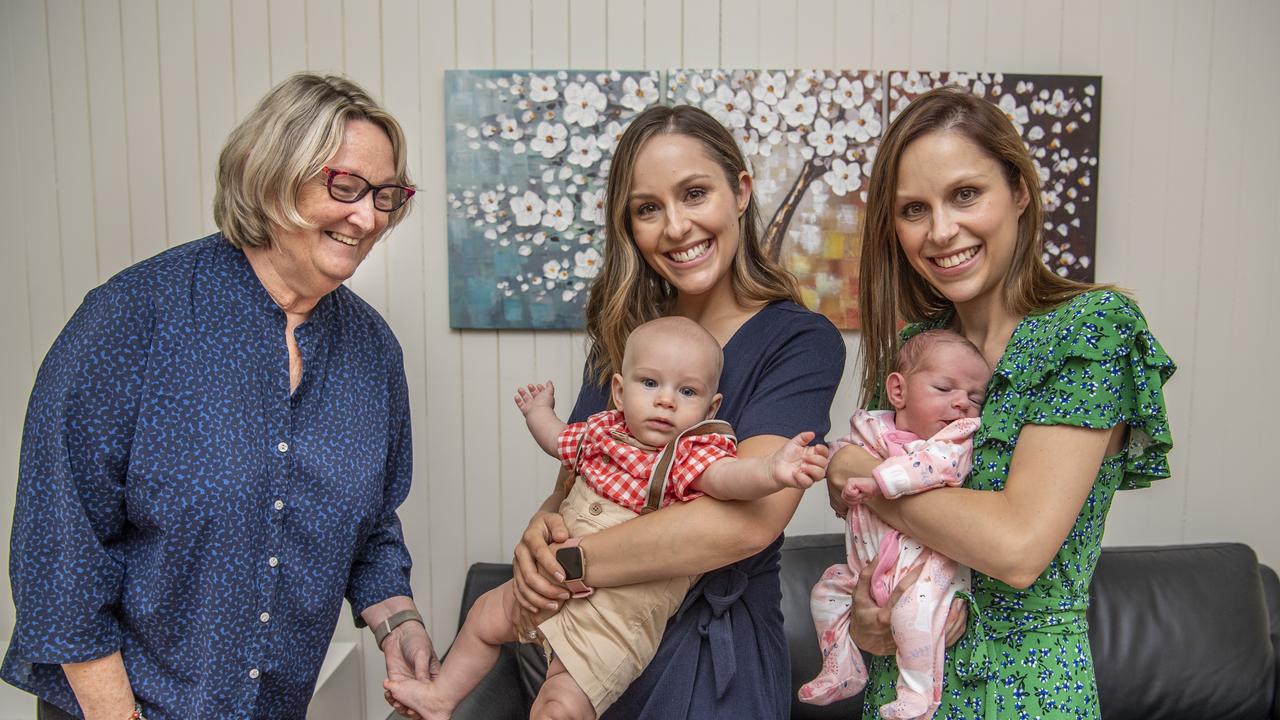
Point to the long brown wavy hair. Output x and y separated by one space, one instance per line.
889 289
628 293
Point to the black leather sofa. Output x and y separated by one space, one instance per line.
1186 631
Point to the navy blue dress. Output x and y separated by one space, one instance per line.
723 654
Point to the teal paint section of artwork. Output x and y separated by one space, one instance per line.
527 152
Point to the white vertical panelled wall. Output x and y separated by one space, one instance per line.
114 112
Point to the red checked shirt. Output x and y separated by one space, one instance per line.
616 466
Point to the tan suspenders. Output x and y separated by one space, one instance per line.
661 472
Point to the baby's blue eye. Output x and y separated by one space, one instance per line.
688 392
649 382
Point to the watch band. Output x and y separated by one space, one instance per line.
577 588
395 620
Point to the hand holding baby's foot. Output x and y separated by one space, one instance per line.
420 696
536 395
798 464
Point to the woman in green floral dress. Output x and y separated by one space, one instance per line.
1074 411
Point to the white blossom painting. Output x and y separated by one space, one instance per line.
528 153
527 156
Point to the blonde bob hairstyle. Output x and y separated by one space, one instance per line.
628 293
889 289
294 131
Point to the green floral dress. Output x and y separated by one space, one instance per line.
1090 362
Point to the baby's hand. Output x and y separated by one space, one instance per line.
798 464
532 396
415 698
857 489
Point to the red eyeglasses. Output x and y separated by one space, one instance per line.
348 187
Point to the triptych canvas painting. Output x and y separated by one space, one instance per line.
529 151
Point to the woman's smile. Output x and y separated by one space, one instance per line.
688 255
958 259
344 239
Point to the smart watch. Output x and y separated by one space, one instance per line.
574 562
384 628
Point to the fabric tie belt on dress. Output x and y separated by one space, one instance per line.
972 655
722 589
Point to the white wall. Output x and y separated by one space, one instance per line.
114 111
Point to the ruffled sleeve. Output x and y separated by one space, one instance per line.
1091 363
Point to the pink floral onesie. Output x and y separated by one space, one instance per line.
911 465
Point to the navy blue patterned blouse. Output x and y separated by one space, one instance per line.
177 503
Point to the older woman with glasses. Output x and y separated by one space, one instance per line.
218 440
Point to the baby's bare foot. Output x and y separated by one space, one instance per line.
424 698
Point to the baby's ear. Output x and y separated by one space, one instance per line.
715 406
616 391
895 388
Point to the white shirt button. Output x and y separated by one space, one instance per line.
283 447
278 504
273 561
253 673
265 617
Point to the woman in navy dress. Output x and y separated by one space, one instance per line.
683 239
